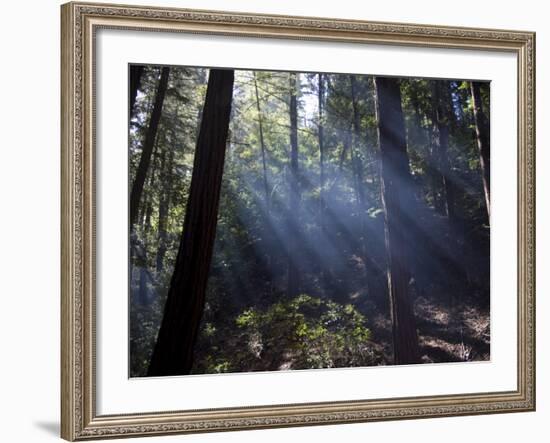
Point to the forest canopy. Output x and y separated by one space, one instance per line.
295 220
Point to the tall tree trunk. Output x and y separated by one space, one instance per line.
145 221
293 286
483 140
397 199
357 167
324 269
146 209
173 352
417 130
434 168
262 142
267 226
136 71
149 142
321 137
441 113
164 204
356 161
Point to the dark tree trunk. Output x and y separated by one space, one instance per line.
293 287
149 142
483 140
442 114
136 72
398 203
173 352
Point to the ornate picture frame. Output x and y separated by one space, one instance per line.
80 23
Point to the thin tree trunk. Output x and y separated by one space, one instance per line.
483 140
356 161
323 265
145 220
149 142
145 213
397 199
357 167
173 352
417 129
136 71
267 223
164 204
262 142
442 116
294 189
434 168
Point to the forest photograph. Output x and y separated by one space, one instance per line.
305 220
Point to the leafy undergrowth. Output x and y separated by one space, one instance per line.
310 333
301 333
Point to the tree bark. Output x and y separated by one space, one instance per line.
398 203
262 142
483 140
149 142
441 114
173 352
293 286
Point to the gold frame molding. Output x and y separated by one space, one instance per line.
79 22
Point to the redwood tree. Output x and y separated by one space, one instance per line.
482 136
398 206
441 115
173 352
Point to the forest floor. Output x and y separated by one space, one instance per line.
448 333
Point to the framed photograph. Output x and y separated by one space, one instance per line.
281 221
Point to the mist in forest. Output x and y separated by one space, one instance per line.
285 220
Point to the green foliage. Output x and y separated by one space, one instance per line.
306 332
